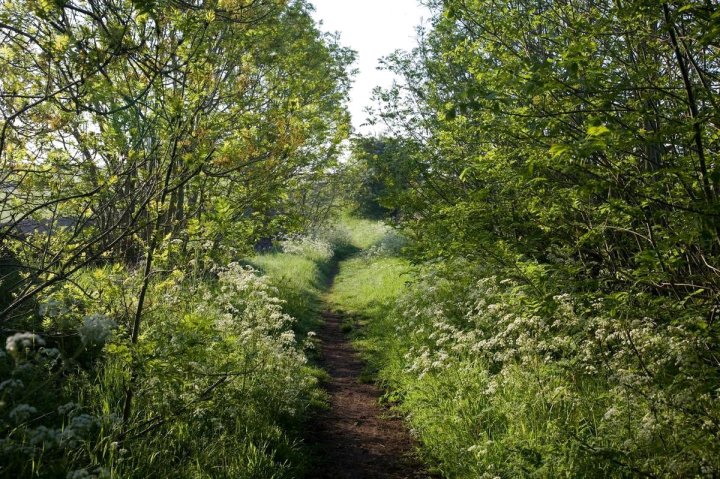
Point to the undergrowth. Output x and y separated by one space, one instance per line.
498 379
222 385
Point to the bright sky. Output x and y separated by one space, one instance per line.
373 28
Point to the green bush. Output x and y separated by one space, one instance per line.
221 385
498 381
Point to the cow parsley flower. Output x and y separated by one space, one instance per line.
44 436
52 308
22 342
67 408
21 412
96 329
11 385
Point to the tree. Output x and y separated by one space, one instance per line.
154 138
567 144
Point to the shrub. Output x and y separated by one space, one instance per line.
220 385
500 380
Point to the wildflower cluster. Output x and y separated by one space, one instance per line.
36 427
309 247
22 343
319 245
496 377
223 362
222 369
96 329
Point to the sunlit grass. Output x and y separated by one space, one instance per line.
300 282
369 286
364 233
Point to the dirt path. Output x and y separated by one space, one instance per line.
356 438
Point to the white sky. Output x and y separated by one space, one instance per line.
373 28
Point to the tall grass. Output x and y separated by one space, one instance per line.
362 233
299 281
221 381
369 287
498 379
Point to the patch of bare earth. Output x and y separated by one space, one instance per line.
357 437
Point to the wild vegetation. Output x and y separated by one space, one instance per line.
146 149
527 257
554 166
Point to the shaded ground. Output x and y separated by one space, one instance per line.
356 438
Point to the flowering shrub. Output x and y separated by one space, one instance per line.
320 245
220 382
224 381
338 235
502 380
40 430
22 343
96 329
309 247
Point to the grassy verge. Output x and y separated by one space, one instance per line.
300 282
222 385
491 380
496 382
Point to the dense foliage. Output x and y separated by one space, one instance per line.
549 310
559 163
146 147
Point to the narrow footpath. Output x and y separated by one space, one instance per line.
357 438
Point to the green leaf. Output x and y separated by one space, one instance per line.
559 150
598 130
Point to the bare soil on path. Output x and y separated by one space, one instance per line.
356 438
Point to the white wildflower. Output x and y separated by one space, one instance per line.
67 408
52 308
21 412
44 436
22 342
96 329
309 247
11 385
